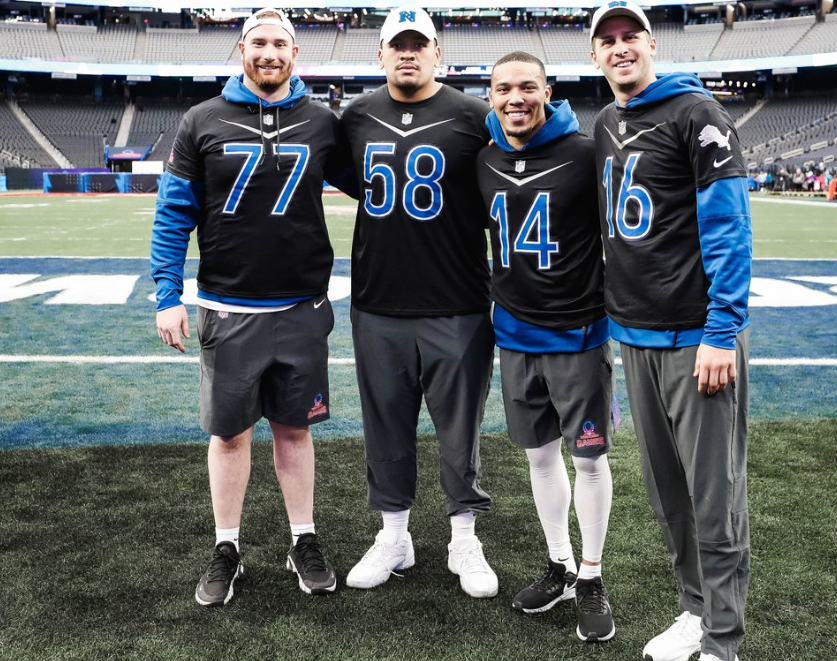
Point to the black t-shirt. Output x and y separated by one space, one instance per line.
545 238
261 231
419 244
651 160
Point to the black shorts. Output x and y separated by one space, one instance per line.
547 396
272 365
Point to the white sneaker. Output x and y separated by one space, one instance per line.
678 642
381 561
467 561
711 657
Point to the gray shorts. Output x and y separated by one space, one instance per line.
547 396
272 365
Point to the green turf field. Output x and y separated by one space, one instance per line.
120 226
107 523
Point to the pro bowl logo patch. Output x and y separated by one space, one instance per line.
319 408
589 436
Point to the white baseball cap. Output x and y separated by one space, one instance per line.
619 8
256 20
407 17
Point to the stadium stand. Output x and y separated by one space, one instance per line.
471 44
565 44
686 43
27 40
76 127
174 46
153 117
747 38
17 147
316 43
821 38
108 43
361 46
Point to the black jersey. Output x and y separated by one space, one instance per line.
419 243
545 239
652 156
261 228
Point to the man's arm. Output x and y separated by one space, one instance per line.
726 243
179 204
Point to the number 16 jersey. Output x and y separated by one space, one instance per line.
419 243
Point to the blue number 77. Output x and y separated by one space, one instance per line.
252 153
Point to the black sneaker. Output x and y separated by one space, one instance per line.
316 575
595 618
557 584
216 585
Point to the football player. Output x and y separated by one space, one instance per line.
247 171
678 244
420 304
538 183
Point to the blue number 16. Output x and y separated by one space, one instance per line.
628 192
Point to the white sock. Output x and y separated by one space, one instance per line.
587 572
227 535
395 525
551 491
462 527
298 529
593 496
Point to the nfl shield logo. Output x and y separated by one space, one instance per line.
519 166
268 120
407 119
623 127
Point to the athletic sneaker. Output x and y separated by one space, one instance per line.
467 561
381 561
316 575
556 584
711 657
595 618
678 642
216 585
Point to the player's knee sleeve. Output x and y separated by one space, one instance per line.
551 492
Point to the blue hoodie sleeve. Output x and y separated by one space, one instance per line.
726 244
179 205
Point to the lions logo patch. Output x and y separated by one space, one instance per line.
711 134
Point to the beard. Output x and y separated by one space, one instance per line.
265 83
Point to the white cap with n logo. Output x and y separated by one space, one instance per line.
407 17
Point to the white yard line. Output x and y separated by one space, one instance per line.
147 360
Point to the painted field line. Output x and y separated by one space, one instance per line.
148 360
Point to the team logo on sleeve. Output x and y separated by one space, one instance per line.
589 436
319 408
711 134
519 166
407 118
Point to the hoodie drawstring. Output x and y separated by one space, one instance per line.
278 140
261 132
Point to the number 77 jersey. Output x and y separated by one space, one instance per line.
419 245
544 225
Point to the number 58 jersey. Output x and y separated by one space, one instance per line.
419 244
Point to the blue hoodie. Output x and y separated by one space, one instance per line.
560 121
179 204
723 215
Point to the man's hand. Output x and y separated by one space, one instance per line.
714 369
171 323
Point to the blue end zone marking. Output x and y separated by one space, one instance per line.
49 405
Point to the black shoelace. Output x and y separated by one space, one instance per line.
221 567
308 549
591 597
